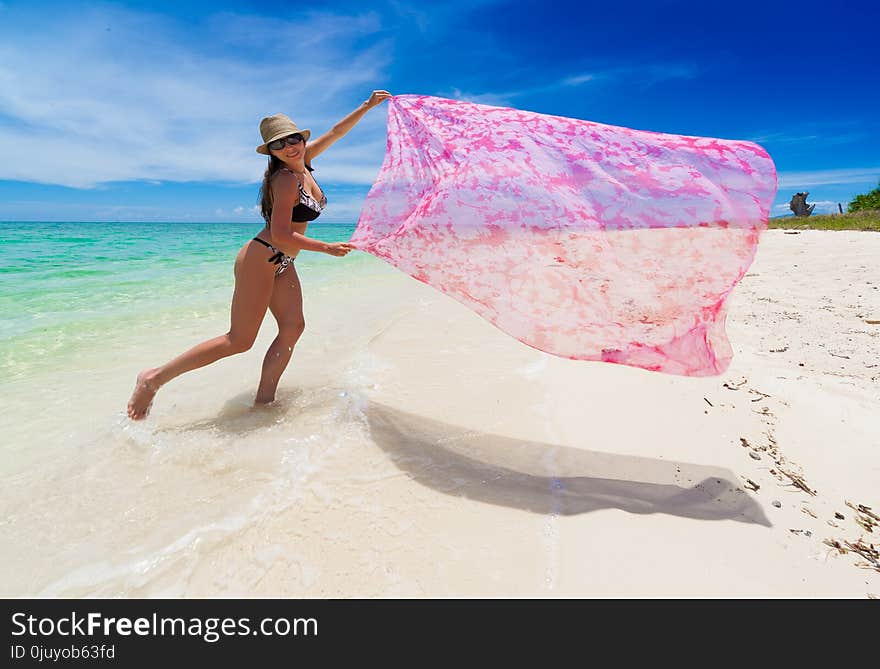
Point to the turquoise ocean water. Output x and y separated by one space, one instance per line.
66 288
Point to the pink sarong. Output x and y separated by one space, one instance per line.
584 240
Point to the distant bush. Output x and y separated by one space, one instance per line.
867 201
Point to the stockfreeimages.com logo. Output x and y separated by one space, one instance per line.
208 629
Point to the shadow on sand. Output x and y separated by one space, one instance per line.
545 478
533 476
240 416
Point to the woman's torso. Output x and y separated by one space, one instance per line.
314 196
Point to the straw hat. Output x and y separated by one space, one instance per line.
275 127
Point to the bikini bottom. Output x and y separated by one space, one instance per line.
279 257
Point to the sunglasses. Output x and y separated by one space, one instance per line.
293 140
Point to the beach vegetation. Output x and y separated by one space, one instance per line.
866 219
866 201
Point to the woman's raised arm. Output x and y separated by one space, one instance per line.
335 133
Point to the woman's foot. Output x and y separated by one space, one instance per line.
263 400
142 397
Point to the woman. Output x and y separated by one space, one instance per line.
265 277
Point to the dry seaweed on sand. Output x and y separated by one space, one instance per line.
798 482
734 385
867 551
758 392
859 547
861 508
865 518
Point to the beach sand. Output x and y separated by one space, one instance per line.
417 451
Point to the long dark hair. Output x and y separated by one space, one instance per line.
275 164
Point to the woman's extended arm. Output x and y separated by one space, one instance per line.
295 241
337 131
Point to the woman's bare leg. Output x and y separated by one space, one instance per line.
287 307
254 278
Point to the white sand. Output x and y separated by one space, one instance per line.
494 469
417 451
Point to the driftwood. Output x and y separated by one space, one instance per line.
799 204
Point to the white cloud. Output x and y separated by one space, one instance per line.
809 141
645 75
577 80
655 74
845 176
781 138
144 101
429 17
345 209
494 99
310 29
24 210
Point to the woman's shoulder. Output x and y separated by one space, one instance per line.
284 175
282 182
289 172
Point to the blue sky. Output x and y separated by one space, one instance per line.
150 111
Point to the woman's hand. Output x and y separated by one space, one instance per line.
377 98
338 249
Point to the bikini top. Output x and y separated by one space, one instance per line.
308 208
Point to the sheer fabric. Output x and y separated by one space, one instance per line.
584 240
